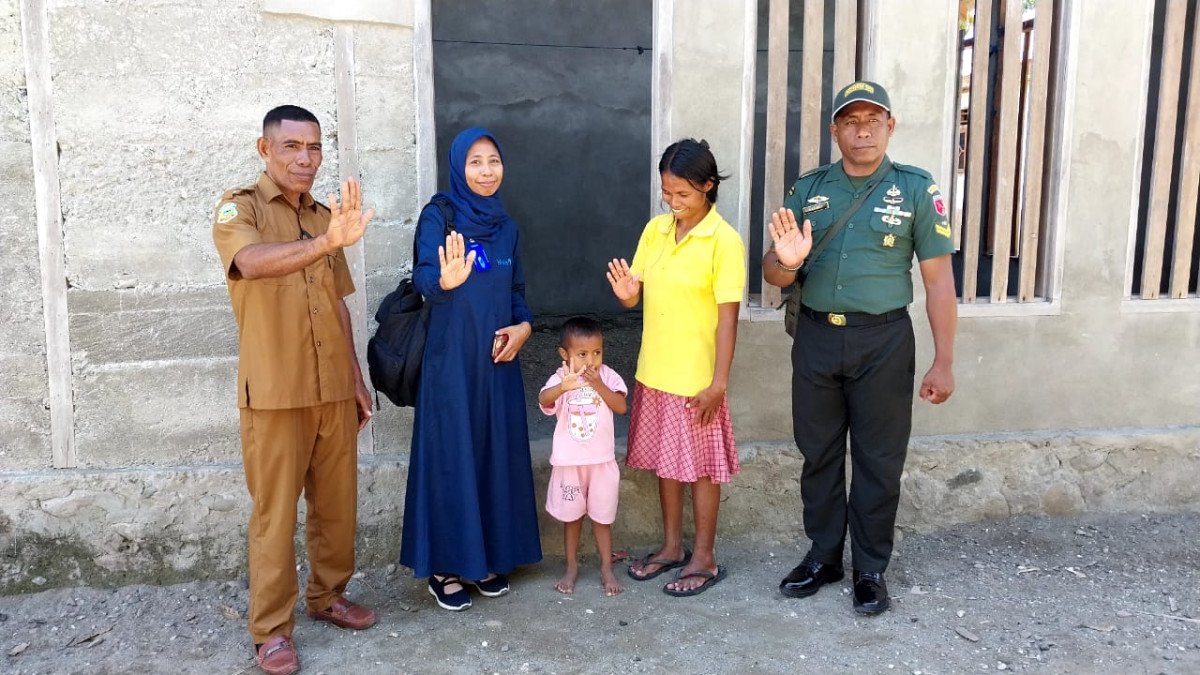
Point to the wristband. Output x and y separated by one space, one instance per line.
788 269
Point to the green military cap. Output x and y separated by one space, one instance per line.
861 91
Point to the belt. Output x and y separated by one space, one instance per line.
851 319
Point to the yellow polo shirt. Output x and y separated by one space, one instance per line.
682 284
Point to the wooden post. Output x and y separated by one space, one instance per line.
845 52
44 143
811 85
1043 31
660 92
1189 181
745 170
776 141
1164 149
423 91
1006 154
348 167
973 205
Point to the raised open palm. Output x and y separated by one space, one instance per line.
347 222
456 266
572 378
792 244
625 286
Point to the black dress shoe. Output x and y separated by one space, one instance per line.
809 576
870 593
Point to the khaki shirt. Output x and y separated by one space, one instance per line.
867 266
293 352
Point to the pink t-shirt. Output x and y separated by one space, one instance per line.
584 434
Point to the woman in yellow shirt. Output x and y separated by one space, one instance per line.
690 273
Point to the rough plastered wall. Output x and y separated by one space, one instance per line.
24 415
157 108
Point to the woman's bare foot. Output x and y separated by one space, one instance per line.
657 563
567 583
611 585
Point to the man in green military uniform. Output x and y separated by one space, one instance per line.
853 359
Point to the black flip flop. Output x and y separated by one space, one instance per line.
711 580
665 565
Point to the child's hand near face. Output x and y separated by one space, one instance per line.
592 377
571 378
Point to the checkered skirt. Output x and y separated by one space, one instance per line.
665 437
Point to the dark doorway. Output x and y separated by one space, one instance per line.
566 88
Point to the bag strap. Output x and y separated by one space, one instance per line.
848 214
447 209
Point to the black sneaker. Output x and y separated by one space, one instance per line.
494 587
456 601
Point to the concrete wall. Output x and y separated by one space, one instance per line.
566 91
147 145
24 414
150 133
156 109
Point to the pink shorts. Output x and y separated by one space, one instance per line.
590 489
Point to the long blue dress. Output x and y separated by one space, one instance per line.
470 508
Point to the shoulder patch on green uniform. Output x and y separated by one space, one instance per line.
914 170
814 172
227 212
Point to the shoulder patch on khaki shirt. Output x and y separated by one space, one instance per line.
227 212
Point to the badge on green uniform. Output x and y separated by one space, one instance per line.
227 213
892 214
889 240
893 196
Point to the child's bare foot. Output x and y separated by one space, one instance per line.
567 583
611 585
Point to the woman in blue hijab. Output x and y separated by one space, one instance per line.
470 515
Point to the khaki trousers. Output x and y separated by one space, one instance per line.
285 452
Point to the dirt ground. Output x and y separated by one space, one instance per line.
1097 594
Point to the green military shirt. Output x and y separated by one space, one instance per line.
867 267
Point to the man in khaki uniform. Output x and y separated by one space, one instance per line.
300 390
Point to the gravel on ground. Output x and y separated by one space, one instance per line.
1093 594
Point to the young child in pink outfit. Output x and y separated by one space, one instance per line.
584 394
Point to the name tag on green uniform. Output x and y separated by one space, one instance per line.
818 203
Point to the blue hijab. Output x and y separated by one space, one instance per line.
474 215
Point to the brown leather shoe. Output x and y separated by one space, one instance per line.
277 656
346 614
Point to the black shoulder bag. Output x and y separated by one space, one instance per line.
394 353
791 310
